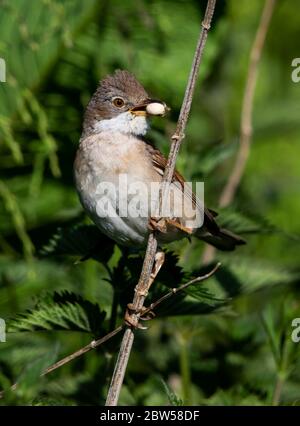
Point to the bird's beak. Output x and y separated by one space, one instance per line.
150 107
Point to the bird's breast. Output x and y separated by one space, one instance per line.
115 170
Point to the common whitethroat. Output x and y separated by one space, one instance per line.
114 155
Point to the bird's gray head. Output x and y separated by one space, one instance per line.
120 104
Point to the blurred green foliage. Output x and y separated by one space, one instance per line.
226 341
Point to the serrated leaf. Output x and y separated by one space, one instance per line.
246 222
236 277
60 311
241 275
187 304
252 274
174 400
80 240
187 307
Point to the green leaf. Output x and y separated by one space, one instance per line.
60 311
236 277
36 48
32 371
52 402
241 274
195 300
80 240
186 307
214 155
246 222
174 400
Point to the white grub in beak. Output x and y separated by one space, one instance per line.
156 108
150 107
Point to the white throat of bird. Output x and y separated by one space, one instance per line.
126 122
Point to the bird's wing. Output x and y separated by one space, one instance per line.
159 163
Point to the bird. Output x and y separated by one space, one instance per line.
114 145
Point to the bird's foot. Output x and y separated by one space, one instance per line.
134 314
178 225
158 224
165 224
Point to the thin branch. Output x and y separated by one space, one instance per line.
144 281
141 291
95 343
177 290
142 287
238 169
189 92
92 345
247 107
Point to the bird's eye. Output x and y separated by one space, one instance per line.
118 102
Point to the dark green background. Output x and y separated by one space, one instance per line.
55 53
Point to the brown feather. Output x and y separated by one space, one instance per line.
160 162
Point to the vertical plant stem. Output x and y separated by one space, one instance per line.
185 372
238 169
277 390
128 338
283 369
177 138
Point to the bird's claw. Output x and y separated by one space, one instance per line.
162 224
144 315
157 224
132 316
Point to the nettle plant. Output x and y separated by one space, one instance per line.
226 340
65 311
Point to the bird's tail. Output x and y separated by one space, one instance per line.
223 239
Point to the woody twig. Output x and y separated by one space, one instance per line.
152 246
